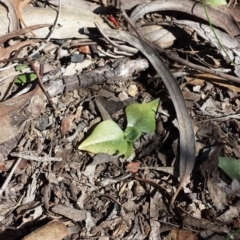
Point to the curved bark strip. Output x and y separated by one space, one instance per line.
218 18
187 137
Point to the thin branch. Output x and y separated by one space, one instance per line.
39 78
123 48
2 189
27 156
51 31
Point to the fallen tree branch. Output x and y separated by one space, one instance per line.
116 71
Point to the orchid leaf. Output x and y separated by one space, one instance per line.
217 2
107 137
129 150
132 134
142 116
25 78
230 166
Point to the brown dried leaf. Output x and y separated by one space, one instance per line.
15 111
13 20
178 234
53 230
217 195
6 52
2 167
18 6
21 32
69 212
199 79
23 164
234 11
133 167
66 125
84 49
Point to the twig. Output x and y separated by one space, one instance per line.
51 31
27 156
123 48
7 67
175 57
108 54
214 33
129 21
39 78
2 189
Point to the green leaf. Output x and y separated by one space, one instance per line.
230 166
129 150
107 137
25 78
142 116
217 2
20 67
132 134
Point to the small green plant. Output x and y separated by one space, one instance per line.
235 233
25 77
216 3
230 166
108 137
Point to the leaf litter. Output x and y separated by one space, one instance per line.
101 196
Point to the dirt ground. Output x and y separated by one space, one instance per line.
77 78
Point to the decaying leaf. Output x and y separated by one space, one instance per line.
79 18
18 6
66 125
178 234
54 230
13 20
133 167
199 79
84 49
218 196
234 11
6 52
21 32
15 111
161 36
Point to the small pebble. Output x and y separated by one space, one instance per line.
132 90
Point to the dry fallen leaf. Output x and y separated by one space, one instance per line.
178 234
199 79
218 196
18 6
2 167
16 111
133 167
66 125
234 11
53 230
13 20
5 53
18 32
84 49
